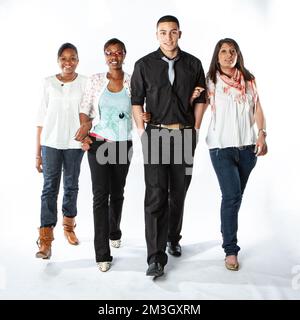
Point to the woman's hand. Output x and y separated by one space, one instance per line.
39 164
83 131
85 143
261 146
146 116
196 94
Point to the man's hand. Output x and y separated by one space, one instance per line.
146 116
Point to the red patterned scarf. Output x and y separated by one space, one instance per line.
237 81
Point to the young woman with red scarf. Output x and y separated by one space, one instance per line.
233 142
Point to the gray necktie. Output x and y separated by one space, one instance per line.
171 72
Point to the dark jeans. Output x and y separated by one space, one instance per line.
108 182
233 167
54 162
167 183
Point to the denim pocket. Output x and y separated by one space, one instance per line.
214 155
252 150
214 152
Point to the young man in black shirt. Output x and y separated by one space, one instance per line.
166 80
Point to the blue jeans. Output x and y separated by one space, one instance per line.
54 162
233 167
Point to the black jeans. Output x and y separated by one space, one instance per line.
168 173
233 167
108 182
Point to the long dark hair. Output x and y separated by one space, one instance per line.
215 66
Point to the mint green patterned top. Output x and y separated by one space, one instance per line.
115 116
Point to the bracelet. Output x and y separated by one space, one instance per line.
38 157
263 131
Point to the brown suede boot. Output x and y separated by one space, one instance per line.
69 225
44 242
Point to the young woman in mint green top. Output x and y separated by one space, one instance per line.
106 111
116 122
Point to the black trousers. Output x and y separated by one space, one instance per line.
109 169
167 179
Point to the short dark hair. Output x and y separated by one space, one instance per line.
168 19
65 46
114 41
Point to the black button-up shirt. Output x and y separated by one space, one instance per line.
167 103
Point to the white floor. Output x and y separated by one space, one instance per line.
198 274
268 236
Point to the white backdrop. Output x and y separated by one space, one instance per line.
31 33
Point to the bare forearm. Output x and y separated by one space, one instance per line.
38 152
85 126
84 119
38 141
260 120
137 112
259 117
199 110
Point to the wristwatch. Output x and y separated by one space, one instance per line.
264 132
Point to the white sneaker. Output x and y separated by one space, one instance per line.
104 266
115 243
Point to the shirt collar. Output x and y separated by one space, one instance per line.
160 54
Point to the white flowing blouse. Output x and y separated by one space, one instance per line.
59 112
232 121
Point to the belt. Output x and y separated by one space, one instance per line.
249 146
171 126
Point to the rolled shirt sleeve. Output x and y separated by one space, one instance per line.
138 92
202 83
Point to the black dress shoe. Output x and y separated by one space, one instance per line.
155 269
174 249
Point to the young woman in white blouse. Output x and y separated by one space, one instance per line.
57 150
233 143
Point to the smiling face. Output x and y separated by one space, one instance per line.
168 34
114 56
68 61
227 56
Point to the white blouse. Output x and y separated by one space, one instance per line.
59 112
232 122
